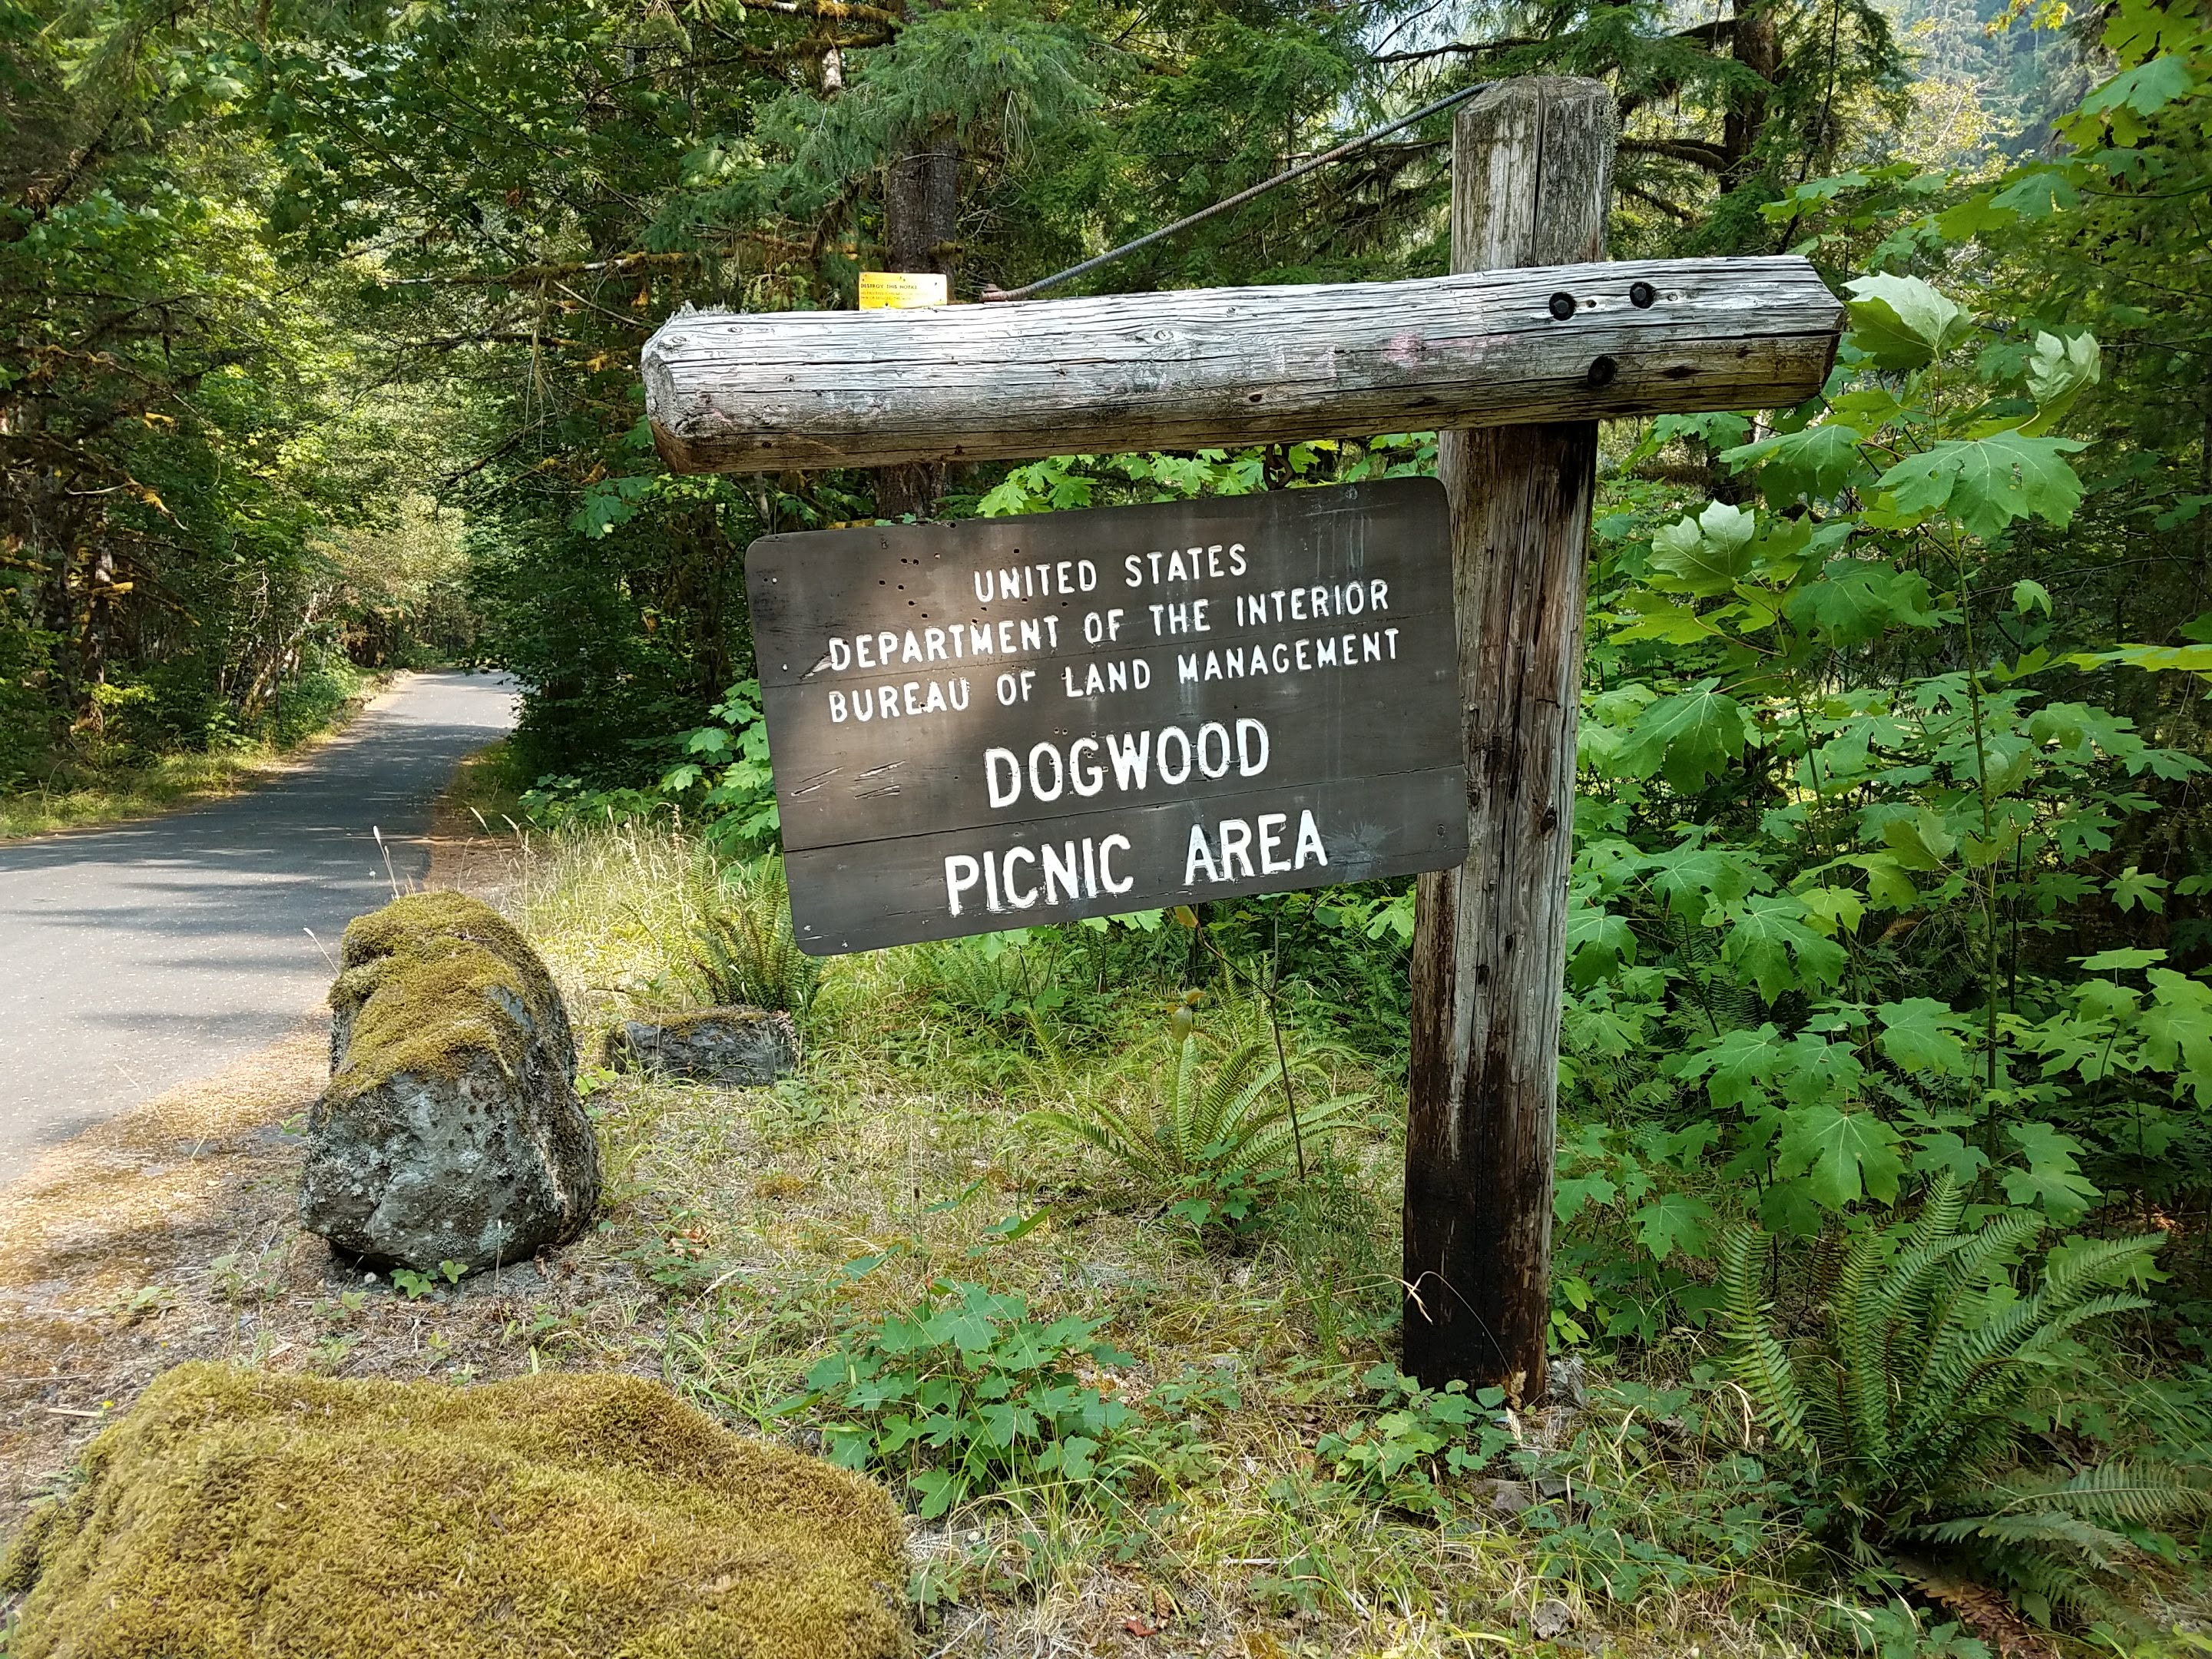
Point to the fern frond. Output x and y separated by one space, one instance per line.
2080 1271
2099 1545
1207 1122
1901 1315
1932 1239
2141 1494
1102 1126
1265 1141
1755 1356
1988 1247
1183 1106
1994 1368
1222 1100
1955 1326
1942 1208
1862 1348
2036 1575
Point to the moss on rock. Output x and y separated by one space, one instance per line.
236 1513
418 985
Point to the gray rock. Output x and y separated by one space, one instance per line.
1550 1619
450 1130
737 1047
1509 1497
1570 1382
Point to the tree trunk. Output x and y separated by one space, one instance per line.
921 213
99 615
1756 44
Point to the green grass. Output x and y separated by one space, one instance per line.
485 796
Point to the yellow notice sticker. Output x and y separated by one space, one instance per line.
894 290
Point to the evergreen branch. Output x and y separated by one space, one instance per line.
1681 214
1457 48
1695 151
522 275
854 8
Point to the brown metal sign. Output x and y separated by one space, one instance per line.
1004 722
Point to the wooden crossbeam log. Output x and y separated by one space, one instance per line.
743 392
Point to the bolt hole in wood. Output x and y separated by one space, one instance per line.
1602 371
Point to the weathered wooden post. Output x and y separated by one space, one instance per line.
1532 162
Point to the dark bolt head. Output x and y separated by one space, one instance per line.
1602 371
1641 295
1563 306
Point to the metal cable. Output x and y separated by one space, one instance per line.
992 295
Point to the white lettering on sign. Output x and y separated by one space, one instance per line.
897 701
1226 853
1020 877
1132 756
1186 564
1103 679
1027 581
1317 604
1298 656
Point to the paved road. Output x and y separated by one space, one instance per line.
137 958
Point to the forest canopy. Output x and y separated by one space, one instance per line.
289 284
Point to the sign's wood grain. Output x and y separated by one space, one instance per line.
1187 370
1136 705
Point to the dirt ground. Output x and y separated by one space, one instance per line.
169 1234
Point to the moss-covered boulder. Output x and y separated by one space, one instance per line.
450 1130
237 1513
737 1047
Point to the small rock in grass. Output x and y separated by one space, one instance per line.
1549 1620
450 1130
1509 1497
1570 1383
737 1047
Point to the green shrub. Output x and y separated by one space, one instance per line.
1907 1415
1036 993
1405 1455
966 1395
741 950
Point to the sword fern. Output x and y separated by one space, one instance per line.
1905 1408
1233 1127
